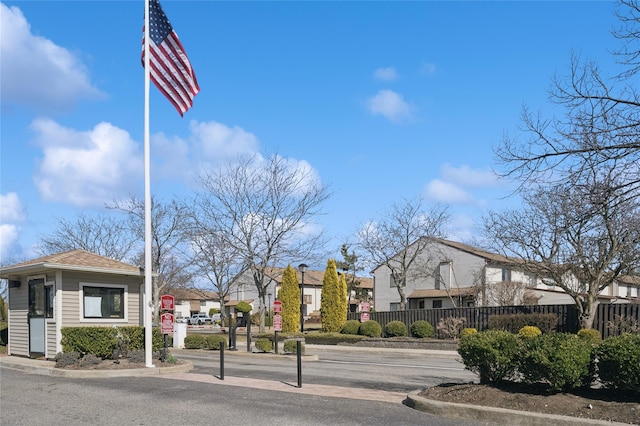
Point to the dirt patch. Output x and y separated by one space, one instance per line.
595 404
122 364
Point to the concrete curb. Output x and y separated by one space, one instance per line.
47 368
496 415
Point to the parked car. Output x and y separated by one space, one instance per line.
199 319
183 320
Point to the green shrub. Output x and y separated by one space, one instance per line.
243 307
491 354
590 334
529 331
315 338
422 329
467 332
264 345
350 327
395 329
291 347
214 341
370 328
100 341
195 341
618 363
561 360
514 322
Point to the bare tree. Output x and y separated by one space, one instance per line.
103 235
400 238
599 127
580 237
264 209
168 248
507 293
216 259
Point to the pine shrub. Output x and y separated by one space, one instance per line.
291 347
590 334
215 341
467 332
395 329
195 341
422 329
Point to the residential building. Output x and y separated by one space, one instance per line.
454 274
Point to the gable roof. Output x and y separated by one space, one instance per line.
494 257
73 260
195 294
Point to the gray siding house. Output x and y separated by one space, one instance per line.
70 289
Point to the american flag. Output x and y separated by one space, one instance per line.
171 70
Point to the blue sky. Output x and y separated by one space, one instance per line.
384 100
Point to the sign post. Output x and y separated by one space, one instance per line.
167 319
277 321
365 307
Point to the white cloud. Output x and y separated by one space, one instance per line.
218 141
390 105
385 74
447 192
36 72
87 168
466 176
11 216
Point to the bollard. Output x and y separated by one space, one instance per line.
299 348
275 341
222 345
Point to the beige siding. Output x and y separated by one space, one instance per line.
18 322
72 305
50 347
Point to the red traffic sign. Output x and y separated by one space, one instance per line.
277 322
167 302
365 307
277 306
166 323
364 316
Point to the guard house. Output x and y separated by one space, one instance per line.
70 289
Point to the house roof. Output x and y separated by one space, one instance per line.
431 293
194 294
312 278
494 257
232 303
73 260
632 280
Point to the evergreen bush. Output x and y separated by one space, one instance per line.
350 327
291 347
316 338
214 341
491 354
395 329
467 332
100 341
195 341
590 334
370 328
264 345
529 331
618 362
422 329
561 360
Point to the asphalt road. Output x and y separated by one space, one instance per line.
29 399
397 371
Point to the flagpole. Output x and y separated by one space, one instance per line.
148 273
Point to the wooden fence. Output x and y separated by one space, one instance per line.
607 317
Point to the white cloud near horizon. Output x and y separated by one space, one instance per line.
385 74
37 73
86 168
389 104
454 184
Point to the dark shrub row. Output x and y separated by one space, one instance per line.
102 341
562 361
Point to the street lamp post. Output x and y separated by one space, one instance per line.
302 267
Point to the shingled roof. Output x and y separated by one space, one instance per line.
74 260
